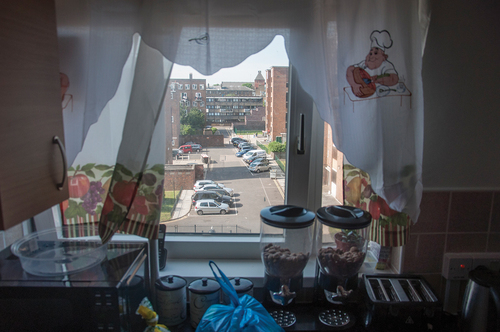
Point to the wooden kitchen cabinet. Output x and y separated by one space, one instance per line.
30 111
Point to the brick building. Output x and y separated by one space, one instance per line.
276 101
181 94
230 102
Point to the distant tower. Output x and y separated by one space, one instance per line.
259 84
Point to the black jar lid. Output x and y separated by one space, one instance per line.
170 283
241 285
204 286
287 216
344 217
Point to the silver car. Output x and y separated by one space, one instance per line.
259 167
196 147
212 186
205 206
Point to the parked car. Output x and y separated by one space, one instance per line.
245 144
259 167
243 151
176 153
202 194
238 141
222 191
253 154
219 186
186 148
260 160
210 206
200 183
190 143
196 147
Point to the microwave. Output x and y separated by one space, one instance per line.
104 297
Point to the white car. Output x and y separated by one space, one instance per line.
205 206
200 183
211 186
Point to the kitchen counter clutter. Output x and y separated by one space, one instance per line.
363 316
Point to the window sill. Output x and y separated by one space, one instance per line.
252 269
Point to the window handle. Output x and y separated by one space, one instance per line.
57 140
300 145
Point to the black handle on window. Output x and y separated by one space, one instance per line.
300 145
57 140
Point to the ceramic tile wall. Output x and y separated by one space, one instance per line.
451 222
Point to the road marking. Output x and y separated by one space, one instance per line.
265 191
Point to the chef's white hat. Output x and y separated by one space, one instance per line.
381 39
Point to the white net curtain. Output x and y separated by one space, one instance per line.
381 133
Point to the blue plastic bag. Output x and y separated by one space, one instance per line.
244 314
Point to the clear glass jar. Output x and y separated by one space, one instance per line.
286 239
342 239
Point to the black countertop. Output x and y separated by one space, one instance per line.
364 317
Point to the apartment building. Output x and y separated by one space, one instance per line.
276 101
182 94
230 102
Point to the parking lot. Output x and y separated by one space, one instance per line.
252 192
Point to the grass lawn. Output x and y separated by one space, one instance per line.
168 205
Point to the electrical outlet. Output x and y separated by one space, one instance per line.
491 260
457 266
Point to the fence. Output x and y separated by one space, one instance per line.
279 162
208 229
263 147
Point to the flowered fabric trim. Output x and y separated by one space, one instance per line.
389 227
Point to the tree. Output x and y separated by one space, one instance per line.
248 85
187 130
214 130
276 147
194 118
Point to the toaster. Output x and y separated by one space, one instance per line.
400 302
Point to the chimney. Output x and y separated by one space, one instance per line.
191 76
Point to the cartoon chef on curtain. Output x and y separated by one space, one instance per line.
375 70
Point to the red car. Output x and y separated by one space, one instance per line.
186 148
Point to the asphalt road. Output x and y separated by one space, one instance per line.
252 193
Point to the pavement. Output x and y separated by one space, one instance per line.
184 204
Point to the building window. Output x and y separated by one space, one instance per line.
171 95
195 87
180 86
188 103
184 96
202 103
202 87
187 86
195 103
235 106
235 99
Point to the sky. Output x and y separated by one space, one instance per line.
273 55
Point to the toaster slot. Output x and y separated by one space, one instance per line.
410 291
423 291
378 290
391 292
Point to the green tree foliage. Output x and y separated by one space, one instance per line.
214 130
248 85
277 147
193 118
187 130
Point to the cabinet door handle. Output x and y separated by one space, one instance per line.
57 141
